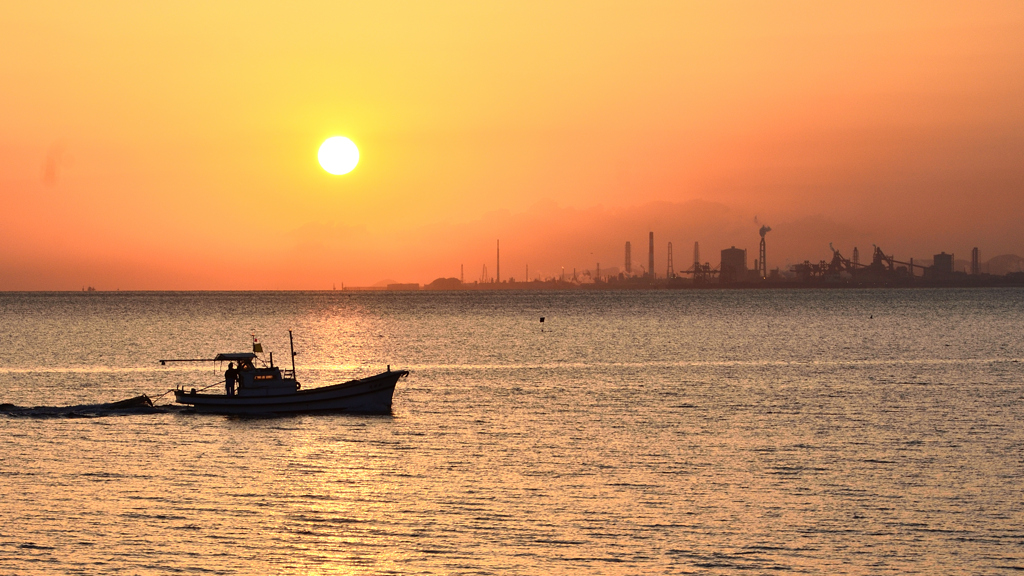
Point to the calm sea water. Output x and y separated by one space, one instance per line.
689 432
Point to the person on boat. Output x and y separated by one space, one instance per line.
244 365
230 375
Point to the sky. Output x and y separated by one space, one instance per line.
173 146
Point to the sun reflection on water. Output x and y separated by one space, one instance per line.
645 433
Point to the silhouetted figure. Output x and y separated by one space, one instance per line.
230 375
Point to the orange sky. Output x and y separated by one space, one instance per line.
174 146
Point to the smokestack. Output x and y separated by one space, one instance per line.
499 262
670 270
629 260
650 257
762 267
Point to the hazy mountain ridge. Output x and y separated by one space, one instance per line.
1002 264
997 265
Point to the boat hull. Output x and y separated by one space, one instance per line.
370 395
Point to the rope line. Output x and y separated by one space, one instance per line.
154 399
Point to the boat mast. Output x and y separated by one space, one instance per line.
291 344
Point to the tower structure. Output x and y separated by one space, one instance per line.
762 261
650 257
975 262
629 260
942 264
670 271
734 265
856 257
498 270
696 257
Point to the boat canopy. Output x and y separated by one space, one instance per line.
235 356
239 357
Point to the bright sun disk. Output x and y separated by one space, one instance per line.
338 155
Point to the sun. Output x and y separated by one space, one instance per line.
338 155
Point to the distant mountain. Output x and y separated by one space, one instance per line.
1003 264
444 284
997 266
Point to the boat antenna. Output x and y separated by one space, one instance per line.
291 344
257 349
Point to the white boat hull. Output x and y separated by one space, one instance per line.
370 395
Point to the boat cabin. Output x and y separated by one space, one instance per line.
256 381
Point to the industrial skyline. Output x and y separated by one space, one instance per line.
733 268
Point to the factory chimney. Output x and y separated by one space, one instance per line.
762 259
650 258
670 271
629 260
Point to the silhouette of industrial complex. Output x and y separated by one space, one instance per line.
732 271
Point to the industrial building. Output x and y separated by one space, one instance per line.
942 264
734 265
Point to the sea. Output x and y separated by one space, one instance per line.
565 432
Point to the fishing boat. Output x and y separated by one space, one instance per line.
267 389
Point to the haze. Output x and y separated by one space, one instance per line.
174 146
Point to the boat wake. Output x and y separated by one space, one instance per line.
131 406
